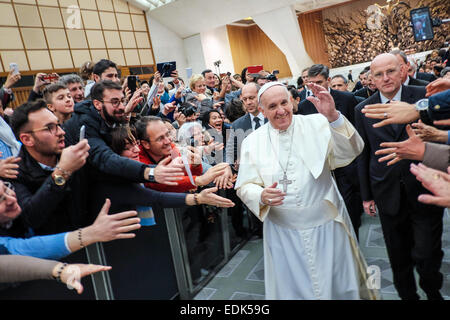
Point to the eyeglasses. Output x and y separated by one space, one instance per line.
51 127
9 190
165 136
116 102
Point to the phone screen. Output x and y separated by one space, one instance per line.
14 67
166 68
422 24
132 84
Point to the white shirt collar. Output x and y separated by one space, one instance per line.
406 81
397 97
260 116
46 167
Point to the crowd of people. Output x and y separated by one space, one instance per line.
89 155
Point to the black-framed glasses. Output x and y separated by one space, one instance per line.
51 127
9 190
116 102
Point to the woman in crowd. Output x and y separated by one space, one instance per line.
213 124
198 96
87 74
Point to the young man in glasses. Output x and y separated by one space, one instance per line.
50 187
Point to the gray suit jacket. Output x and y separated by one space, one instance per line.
437 156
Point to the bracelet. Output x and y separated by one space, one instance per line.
80 238
196 199
65 172
60 270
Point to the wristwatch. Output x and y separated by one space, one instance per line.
59 180
151 175
422 107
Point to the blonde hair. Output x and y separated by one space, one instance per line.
194 79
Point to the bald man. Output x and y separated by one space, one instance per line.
412 230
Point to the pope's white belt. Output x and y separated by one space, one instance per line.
303 217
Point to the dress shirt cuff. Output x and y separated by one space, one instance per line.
8 90
66 242
338 122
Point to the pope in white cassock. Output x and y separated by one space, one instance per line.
310 250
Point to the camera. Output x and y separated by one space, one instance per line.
217 63
187 109
271 77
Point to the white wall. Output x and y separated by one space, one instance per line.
194 54
167 46
216 46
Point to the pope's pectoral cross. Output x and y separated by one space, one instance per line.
285 182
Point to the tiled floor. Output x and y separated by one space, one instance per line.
243 277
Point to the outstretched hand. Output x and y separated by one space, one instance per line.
73 273
437 182
115 226
395 112
323 101
207 196
412 149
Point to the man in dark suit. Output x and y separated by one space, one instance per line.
346 177
305 92
366 91
361 83
412 230
407 80
240 129
425 76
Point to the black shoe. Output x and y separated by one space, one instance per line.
436 296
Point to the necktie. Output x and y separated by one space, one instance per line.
394 126
257 125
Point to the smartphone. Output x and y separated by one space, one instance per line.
422 24
132 83
255 69
82 132
14 67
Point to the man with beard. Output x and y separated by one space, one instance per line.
100 116
49 174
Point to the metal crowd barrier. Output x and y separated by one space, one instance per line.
173 259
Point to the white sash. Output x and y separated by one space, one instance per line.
303 217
